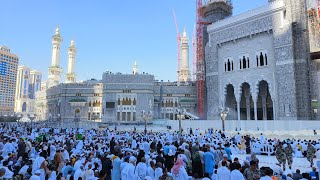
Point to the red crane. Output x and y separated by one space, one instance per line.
200 83
194 54
179 41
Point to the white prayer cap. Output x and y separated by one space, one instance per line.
132 159
225 155
38 171
10 163
45 148
148 178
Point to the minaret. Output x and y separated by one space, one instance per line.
71 75
135 68
184 72
55 70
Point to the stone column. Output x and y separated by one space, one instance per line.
120 110
248 106
255 99
273 109
255 109
131 108
264 107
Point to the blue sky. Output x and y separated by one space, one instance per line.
109 34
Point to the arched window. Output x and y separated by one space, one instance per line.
90 104
176 104
134 101
257 60
265 56
244 64
261 60
24 107
162 104
119 101
248 62
240 64
232 65
225 67
229 65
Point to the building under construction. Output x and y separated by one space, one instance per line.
207 13
257 63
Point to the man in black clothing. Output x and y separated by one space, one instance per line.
106 167
297 175
112 144
159 158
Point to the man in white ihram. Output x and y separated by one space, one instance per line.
128 172
223 172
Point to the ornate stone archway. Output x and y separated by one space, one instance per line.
264 102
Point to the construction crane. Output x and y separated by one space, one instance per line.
200 82
178 40
194 54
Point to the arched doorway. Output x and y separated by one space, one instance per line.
77 115
231 103
246 103
264 103
24 107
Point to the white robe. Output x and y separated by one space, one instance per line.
7 148
128 172
181 175
52 152
37 163
223 173
158 173
236 175
150 172
88 175
66 155
134 144
8 174
34 177
77 174
141 170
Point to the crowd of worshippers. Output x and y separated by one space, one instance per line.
46 153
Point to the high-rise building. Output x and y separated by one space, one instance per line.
8 76
28 83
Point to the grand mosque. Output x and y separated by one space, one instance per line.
262 65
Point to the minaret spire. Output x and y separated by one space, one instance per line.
184 71
135 68
55 70
71 75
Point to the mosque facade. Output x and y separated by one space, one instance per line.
116 97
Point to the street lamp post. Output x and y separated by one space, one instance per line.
223 115
19 116
32 117
181 114
145 116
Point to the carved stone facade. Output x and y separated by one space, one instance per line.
258 63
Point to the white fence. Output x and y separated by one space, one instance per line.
231 125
